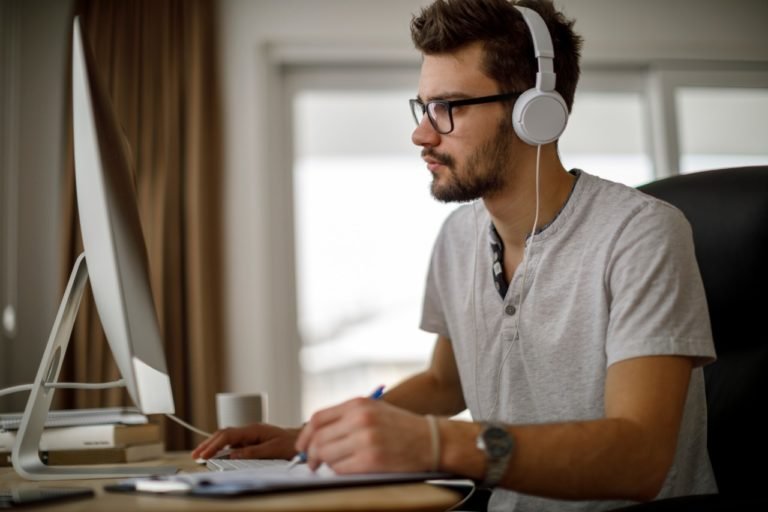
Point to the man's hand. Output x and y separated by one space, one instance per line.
364 436
257 441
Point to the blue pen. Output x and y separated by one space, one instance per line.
301 457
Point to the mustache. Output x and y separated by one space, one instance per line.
442 158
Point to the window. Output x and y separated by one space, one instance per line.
605 136
365 225
365 221
722 127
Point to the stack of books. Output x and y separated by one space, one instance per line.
89 436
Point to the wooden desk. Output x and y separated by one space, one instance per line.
396 497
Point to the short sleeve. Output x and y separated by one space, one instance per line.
657 300
433 310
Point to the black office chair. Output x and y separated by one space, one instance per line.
728 212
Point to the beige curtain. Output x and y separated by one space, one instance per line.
158 60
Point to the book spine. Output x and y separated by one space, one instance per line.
66 438
89 436
133 453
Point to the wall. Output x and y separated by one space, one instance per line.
32 35
262 39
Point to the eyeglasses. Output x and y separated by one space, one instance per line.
440 112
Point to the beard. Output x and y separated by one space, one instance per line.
483 173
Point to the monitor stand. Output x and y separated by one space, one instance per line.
25 456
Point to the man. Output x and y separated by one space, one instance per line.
578 350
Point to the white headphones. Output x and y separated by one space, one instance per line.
540 114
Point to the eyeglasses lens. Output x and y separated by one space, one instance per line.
439 114
417 109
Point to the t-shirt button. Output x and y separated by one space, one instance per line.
510 309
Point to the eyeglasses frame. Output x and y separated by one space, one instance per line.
449 104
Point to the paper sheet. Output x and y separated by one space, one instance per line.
248 481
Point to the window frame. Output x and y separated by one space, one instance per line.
663 83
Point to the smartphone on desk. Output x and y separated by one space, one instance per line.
23 496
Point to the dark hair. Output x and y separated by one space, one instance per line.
449 25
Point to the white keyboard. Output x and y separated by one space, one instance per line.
229 465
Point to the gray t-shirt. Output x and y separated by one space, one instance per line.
613 277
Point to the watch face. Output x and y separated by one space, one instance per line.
498 443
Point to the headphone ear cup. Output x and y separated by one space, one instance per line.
539 117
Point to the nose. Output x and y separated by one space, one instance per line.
425 134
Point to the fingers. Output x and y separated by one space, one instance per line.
364 435
226 437
213 444
352 453
335 434
257 441
325 417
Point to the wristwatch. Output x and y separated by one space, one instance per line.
498 445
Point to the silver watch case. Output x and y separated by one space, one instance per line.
497 444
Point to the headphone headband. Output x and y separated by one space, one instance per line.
542 47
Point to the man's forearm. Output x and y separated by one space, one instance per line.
625 455
600 459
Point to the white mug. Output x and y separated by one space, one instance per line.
240 409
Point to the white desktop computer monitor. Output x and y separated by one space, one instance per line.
115 262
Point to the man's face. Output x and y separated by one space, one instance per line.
469 162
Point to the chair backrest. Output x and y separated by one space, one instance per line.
728 211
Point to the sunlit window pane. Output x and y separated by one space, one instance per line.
722 127
365 225
606 136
